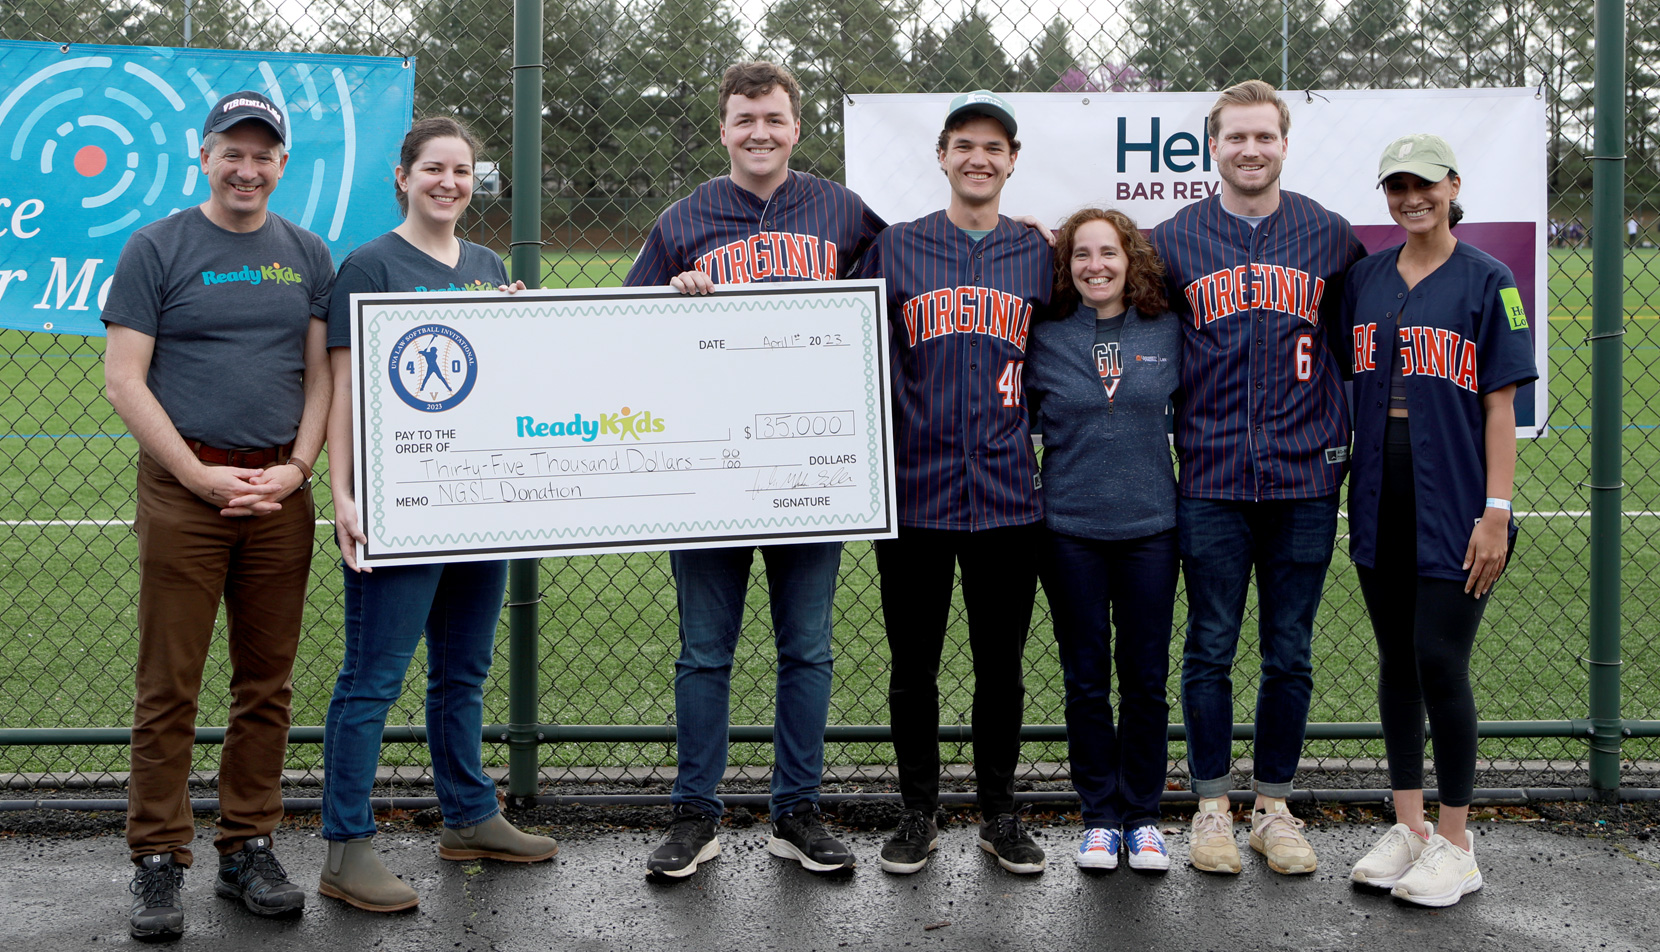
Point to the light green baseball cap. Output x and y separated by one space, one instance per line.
983 102
1427 156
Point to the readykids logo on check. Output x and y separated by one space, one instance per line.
621 425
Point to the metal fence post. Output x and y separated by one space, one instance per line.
1607 414
522 616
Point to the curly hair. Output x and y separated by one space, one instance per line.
757 79
1144 277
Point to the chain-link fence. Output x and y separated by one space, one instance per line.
629 126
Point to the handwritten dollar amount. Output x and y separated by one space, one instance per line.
785 426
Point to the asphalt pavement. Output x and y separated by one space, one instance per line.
1544 892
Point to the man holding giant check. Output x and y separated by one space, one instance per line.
750 226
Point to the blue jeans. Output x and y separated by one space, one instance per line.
1093 586
710 587
458 605
1289 544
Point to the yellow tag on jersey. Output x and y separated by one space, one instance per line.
1512 299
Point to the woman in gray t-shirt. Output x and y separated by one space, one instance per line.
1099 376
456 605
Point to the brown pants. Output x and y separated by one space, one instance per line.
189 557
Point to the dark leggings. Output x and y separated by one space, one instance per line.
999 582
1425 628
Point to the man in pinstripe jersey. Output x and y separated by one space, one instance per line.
962 286
762 222
1262 433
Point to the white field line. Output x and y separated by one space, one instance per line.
117 522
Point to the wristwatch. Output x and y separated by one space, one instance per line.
305 471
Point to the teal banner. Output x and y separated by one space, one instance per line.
98 141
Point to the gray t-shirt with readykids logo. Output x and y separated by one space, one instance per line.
229 312
391 263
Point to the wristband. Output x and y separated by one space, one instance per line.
1493 503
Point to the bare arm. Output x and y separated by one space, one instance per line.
348 530
1490 540
126 366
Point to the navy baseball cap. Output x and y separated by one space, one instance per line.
242 105
982 102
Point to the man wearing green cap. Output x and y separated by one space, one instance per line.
962 286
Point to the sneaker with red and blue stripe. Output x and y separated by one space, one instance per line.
1099 850
1147 849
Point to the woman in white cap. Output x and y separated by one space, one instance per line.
1441 342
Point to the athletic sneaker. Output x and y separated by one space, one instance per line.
253 875
1211 847
691 841
1099 850
158 910
1393 855
1147 849
1003 837
800 835
1278 836
1443 874
906 851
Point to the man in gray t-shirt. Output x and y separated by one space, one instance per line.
216 362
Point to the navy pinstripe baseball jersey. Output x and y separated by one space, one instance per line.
960 311
1459 333
1262 414
812 229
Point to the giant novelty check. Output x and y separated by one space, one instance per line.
488 425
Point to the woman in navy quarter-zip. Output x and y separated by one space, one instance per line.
1099 376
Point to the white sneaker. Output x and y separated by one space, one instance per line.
1443 874
1147 849
1211 846
1099 850
1278 836
1393 855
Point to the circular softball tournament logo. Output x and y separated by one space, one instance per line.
433 368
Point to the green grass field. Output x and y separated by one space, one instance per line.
608 639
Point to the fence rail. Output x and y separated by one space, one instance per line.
628 125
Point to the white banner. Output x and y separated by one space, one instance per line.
578 422
1146 154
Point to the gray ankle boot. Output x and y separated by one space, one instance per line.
354 874
495 838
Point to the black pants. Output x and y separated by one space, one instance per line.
1095 586
1426 629
999 569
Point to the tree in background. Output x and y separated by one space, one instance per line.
1049 59
672 68
967 56
835 48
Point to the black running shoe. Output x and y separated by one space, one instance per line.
253 875
906 851
158 910
1003 837
691 841
800 835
